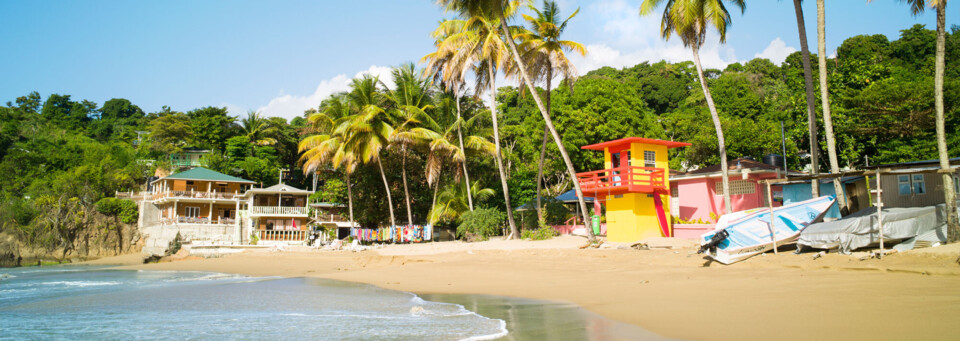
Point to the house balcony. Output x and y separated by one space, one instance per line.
278 211
630 179
194 195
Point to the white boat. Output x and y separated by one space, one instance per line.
750 234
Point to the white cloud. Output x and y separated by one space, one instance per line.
630 39
290 106
776 52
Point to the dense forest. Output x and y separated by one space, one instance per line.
59 156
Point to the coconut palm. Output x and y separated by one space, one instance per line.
443 147
452 202
410 98
544 53
503 9
811 111
448 71
479 43
367 130
689 20
825 100
917 7
324 147
257 129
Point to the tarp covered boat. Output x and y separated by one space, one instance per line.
751 234
914 225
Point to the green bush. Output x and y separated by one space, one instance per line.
542 233
483 222
126 210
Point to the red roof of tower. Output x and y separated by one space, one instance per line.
629 140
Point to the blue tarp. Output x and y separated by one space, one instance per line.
567 197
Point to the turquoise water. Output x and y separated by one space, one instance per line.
96 303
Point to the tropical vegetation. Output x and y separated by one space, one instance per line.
431 131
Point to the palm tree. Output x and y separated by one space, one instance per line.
448 71
443 146
689 20
452 202
257 129
501 9
479 43
543 52
366 132
811 111
326 147
917 7
825 100
410 99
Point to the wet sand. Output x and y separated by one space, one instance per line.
672 292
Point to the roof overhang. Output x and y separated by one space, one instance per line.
629 140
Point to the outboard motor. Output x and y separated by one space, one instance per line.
714 241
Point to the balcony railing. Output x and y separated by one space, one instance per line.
278 210
326 218
194 195
622 180
282 235
198 220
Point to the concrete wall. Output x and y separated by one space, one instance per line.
157 237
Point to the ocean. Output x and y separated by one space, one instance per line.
92 303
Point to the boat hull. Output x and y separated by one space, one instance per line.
750 234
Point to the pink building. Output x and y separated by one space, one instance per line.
697 194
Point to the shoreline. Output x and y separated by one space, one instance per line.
670 292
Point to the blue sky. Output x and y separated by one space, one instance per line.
281 57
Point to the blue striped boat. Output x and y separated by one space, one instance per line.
750 235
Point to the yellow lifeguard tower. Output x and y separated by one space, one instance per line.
634 185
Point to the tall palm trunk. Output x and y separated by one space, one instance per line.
406 191
514 233
543 147
547 121
953 227
436 187
811 110
716 125
824 98
386 186
466 176
349 199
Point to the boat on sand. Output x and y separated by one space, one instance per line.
750 234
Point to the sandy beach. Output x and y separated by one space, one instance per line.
670 291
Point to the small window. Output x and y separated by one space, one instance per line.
918 185
956 184
192 211
649 159
903 184
189 182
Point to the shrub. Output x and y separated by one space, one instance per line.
126 210
483 222
174 245
542 233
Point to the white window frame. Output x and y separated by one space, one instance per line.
187 210
650 158
904 180
918 182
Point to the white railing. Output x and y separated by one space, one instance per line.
281 235
275 210
198 220
194 195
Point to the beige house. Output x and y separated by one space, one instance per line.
278 212
208 207
912 184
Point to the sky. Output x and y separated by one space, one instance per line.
283 57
